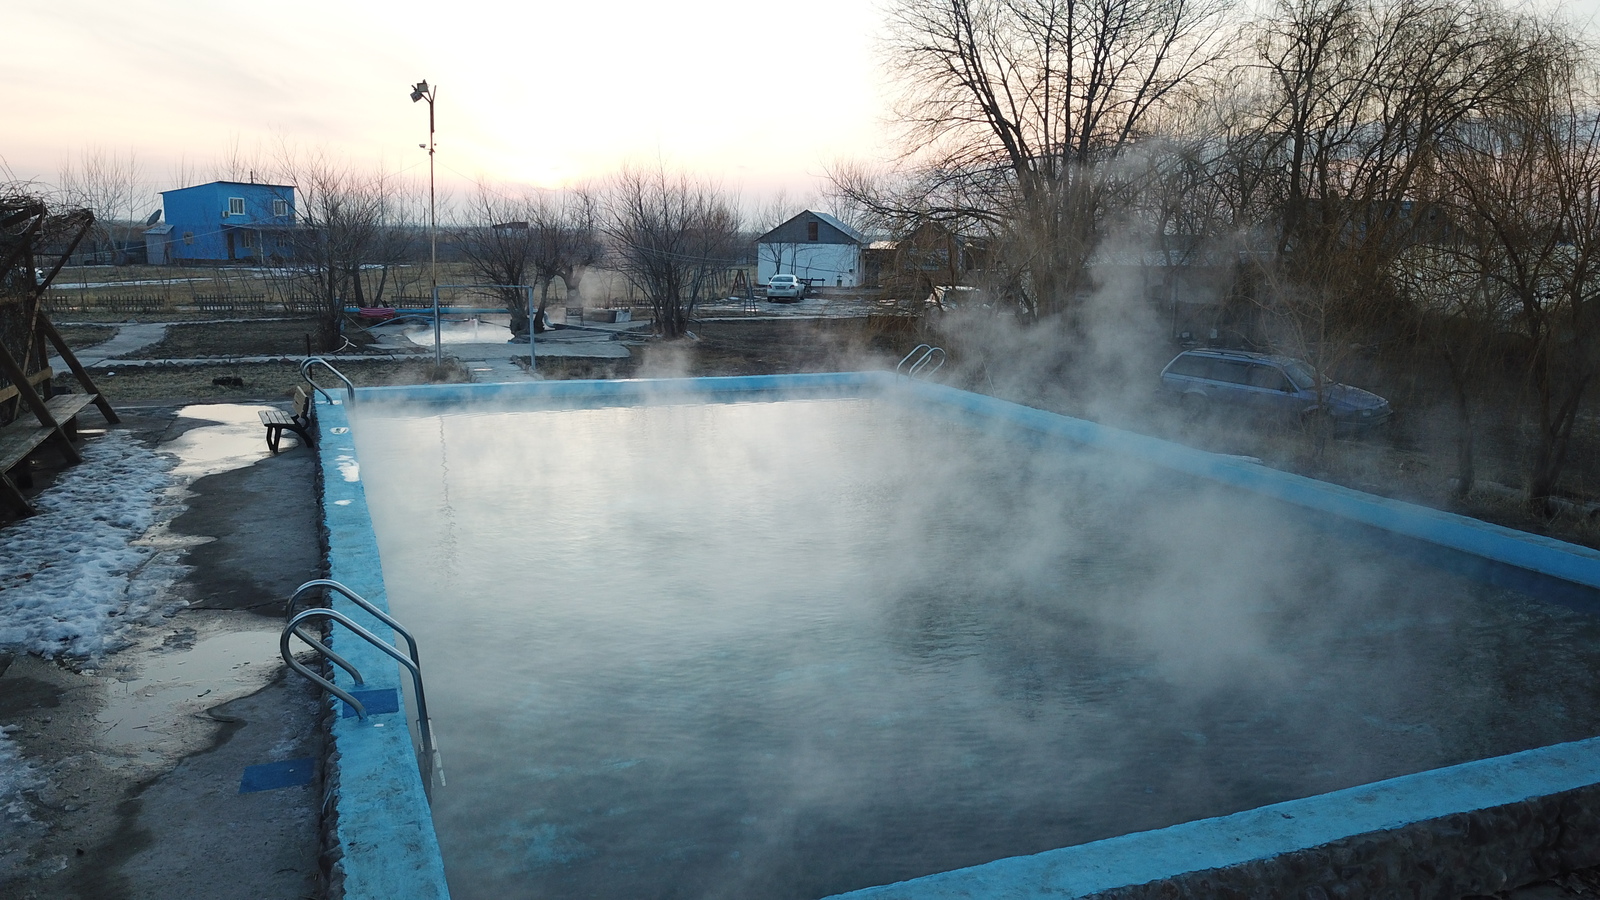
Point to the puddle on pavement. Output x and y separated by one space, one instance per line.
233 442
152 716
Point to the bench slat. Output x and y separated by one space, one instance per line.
64 406
19 439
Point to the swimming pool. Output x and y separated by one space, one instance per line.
810 641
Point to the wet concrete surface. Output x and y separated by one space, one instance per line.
138 756
269 504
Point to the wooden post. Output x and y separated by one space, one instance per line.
49 331
19 379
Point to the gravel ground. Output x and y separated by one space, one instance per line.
263 337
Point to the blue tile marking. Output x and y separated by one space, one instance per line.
273 775
376 700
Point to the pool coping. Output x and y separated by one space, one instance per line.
381 799
383 825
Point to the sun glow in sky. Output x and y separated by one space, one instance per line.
757 95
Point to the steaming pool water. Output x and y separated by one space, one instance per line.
787 649
475 330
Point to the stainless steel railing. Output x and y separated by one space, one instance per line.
305 372
430 764
921 357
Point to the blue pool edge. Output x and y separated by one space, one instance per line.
389 848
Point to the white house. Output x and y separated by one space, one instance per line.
813 246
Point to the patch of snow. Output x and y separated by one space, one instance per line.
348 467
16 776
68 575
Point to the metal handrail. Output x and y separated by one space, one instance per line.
360 601
305 372
292 628
929 355
330 687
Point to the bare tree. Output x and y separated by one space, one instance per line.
354 241
566 242
1024 107
531 241
1459 315
1321 156
1525 184
674 238
499 246
1360 94
111 185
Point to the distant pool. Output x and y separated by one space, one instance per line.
474 330
785 648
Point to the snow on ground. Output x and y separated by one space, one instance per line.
68 575
16 776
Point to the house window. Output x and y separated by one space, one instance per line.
235 206
188 237
247 239
811 231
280 207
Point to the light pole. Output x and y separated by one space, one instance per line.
421 91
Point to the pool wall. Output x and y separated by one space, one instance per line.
1478 827
383 827
1475 828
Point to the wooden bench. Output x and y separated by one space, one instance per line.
24 436
277 421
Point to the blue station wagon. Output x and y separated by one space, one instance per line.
1269 386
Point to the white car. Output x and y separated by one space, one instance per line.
785 287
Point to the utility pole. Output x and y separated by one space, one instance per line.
421 91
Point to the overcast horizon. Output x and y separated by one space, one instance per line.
756 97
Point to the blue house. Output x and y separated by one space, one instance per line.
229 220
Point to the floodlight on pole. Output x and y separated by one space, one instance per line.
421 91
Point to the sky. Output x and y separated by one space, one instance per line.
757 95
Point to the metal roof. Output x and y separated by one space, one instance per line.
782 233
287 187
859 237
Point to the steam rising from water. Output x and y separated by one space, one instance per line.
790 649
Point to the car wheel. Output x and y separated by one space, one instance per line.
1194 406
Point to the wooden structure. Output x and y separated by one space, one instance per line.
34 414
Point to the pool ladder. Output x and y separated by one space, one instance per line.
921 357
431 765
305 372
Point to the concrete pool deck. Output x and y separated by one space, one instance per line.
138 757
1481 827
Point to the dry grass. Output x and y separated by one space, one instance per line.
260 381
273 337
78 336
